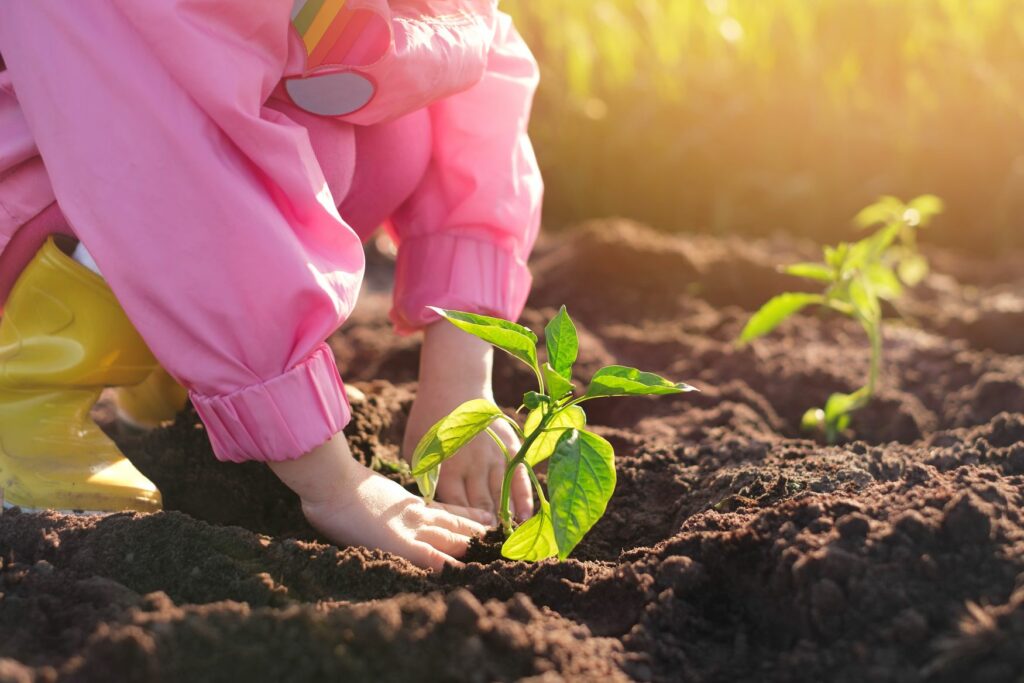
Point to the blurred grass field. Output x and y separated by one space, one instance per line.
757 116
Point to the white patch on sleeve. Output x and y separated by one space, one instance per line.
334 94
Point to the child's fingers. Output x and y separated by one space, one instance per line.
482 516
497 475
478 489
446 541
426 556
456 523
453 492
522 494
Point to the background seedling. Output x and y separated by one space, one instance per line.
581 473
856 278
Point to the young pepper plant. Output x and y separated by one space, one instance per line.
856 278
898 233
581 472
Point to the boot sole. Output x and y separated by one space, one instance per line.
82 513
5 506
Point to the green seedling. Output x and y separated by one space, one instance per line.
856 278
581 472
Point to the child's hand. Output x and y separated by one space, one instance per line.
473 476
455 367
353 505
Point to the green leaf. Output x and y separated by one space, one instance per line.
426 481
835 418
572 417
777 309
562 343
927 204
925 207
836 256
884 281
840 404
618 380
886 210
837 413
864 300
516 340
811 271
913 269
465 422
558 385
581 480
871 248
813 420
453 432
534 540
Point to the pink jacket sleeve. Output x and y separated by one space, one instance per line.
206 210
466 233
404 55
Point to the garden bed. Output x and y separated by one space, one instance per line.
734 548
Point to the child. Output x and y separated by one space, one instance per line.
220 162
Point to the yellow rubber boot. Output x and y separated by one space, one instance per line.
63 339
154 402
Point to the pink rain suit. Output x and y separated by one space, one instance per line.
201 150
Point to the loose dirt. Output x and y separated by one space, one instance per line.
734 549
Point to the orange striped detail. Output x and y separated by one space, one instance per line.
345 24
322 24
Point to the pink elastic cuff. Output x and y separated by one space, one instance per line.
459 272
281 419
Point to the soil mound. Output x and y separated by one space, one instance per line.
734 549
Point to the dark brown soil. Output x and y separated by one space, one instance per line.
734 549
